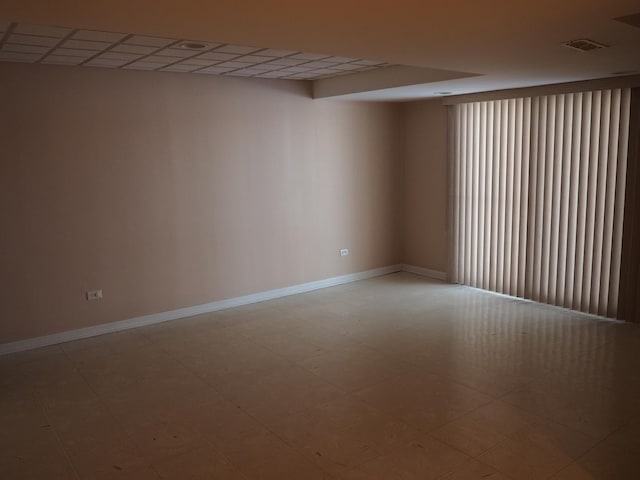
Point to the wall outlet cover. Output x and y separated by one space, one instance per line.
94 295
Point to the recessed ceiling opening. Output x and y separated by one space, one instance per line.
193 46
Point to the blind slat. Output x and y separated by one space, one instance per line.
621 175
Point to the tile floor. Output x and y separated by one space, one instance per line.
397 377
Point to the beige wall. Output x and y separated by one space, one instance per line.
170 190
425 185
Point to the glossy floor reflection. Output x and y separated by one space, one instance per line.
397 377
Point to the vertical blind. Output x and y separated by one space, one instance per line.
538 197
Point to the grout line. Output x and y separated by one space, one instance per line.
57 45
8 31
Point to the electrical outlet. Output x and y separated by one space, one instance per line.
344 252
94 295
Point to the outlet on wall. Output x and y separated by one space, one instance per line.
344 252
94 295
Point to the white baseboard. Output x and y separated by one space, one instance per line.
62 337
425 272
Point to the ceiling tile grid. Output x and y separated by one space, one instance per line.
68 46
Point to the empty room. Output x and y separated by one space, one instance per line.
344 241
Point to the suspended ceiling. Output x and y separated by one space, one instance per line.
48 44
461 46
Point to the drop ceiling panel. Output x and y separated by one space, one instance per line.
86 44
203 62
14 47
149 41
217 55
270 52
32 40
19 57
238 49
67 46
141 66
180 68
73 52
62 60
133 49
98 36
42 30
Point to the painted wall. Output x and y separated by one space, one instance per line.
425 185
169 190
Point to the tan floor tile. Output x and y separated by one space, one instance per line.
494 383
215 420
336 452
355 368
527 454
22 420
483 428
291 347
43 353
474 470
229 362
425 402
261 455
424 459
591 409
202 464
626 438
283 392
571 442
337 442
574 471
331 416
603 463
164 440
87 428
251 447
57 468
109 458
133 473
33 453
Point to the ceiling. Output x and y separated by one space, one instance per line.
498 43
46 44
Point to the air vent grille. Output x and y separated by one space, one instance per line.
585 45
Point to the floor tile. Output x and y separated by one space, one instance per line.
201 464
424 459
425 402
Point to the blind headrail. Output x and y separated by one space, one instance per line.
628 81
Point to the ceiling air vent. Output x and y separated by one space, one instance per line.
585 45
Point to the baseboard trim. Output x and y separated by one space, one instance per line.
425 272
70 335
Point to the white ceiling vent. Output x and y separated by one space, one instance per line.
585 45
